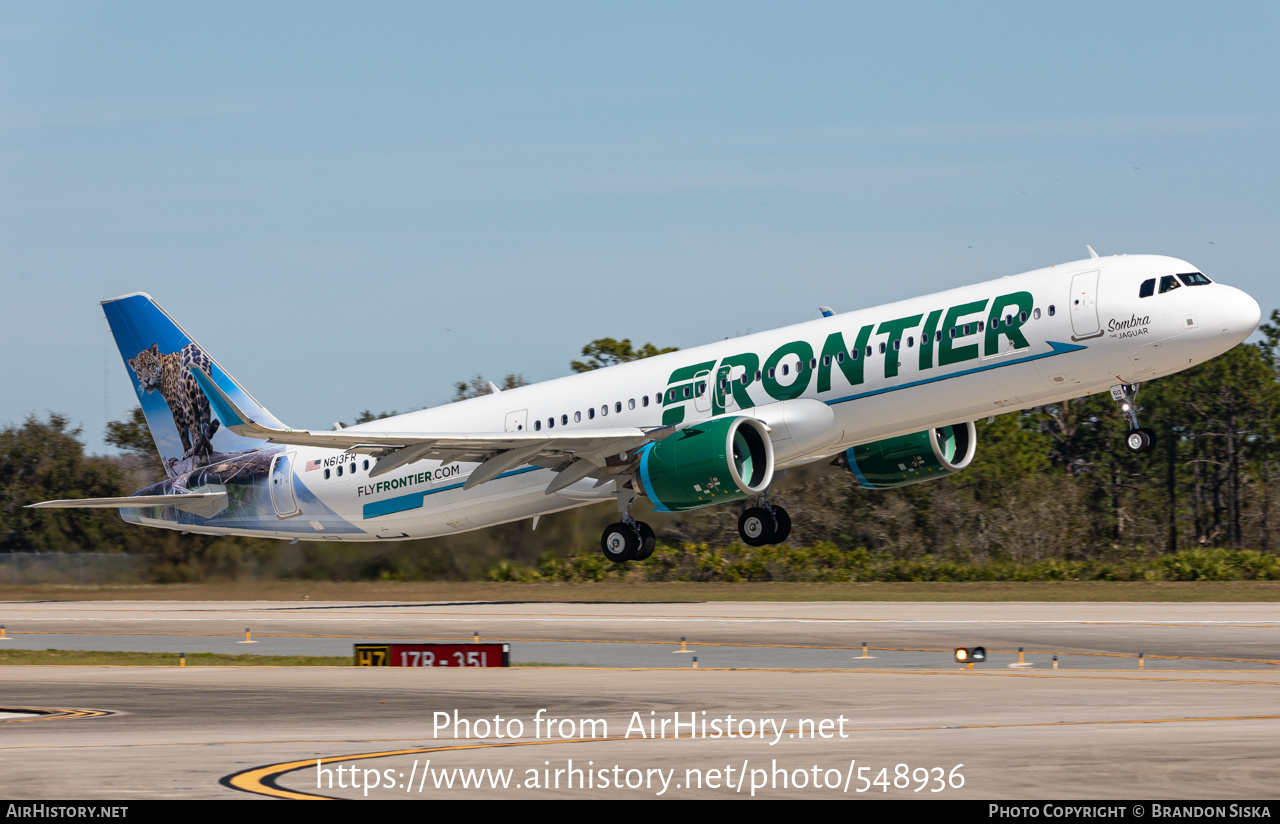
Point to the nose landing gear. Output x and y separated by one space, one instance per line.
1138 439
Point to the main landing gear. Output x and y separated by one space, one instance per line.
628 539
1137 439
765 524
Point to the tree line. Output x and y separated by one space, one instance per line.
1053 483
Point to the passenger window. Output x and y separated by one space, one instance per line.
366 466
746 379
339 470
701 389
1052 310
995 323
813 363
353 469
910 341
564 420
1148 288
868 351
604 410
631 403
952 331
757 374
591 414
537 426
882 347
617 407
577 417
644 401
1036 313
326 474
786 369
551 422
1022 317
853 354
1168 283
840 356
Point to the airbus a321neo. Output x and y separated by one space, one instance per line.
889 393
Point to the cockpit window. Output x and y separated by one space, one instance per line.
1168 283
1148 288
1194 279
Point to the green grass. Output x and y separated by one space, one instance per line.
656 592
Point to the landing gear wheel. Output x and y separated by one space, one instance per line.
620 542
1138 440
757 526
648 541
783 521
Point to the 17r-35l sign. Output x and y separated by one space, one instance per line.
433 655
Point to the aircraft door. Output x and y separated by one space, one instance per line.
702 390
281 479
1084 306
517 421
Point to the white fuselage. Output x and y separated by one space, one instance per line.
933 361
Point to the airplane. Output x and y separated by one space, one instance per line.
888 393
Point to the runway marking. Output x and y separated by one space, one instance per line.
265 780
51 714
501 639
596 617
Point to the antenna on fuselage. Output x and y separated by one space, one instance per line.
1092 253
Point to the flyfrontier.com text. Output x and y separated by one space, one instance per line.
692 724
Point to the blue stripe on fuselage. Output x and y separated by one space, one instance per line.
1058 349
415 500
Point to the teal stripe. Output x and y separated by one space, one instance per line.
658 506
857 473
415 500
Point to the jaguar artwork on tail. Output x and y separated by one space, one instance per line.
190 408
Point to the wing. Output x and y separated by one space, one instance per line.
577 454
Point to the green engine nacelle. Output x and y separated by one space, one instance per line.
723 459
911 459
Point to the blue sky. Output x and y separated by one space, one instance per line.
356 205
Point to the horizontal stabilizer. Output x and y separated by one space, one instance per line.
204 504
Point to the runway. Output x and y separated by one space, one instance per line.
1198 720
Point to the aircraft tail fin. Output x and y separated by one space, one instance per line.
159 354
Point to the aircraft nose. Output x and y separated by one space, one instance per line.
1240 315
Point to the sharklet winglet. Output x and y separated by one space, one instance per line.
232 416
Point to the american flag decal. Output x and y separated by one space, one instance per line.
313 465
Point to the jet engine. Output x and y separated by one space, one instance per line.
911 459
720 460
